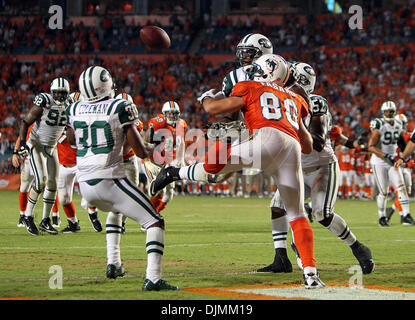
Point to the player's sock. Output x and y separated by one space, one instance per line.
403 201
155 249
23 199
381 201
161 206
70 212
32 200
304 241
48 202
194 172
92 210
339 227
55 208
156 200
279 227
113 237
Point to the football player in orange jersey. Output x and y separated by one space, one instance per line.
345 169
274 117
169 130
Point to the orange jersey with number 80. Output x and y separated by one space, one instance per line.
269 105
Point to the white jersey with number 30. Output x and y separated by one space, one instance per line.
100 136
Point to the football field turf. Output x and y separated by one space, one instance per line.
210 242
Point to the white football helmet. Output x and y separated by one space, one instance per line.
306 76
251 47
388 110
125 96
404 120
96 83
171 112
271 68
60 90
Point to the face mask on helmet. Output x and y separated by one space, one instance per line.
171 116
306 76
389 115
270 68
245 55
60 95
389 111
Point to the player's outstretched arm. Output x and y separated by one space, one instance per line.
409 149
142 149
221 106
34 114
306 139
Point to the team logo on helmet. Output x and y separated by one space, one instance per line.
104 76
309 70
265 43
272 65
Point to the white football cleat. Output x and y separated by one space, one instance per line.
312 281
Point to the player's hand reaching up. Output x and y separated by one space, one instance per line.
210 94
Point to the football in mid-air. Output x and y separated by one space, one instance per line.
155 37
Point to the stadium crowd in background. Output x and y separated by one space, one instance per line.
355 82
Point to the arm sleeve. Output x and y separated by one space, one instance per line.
401 142
127 113
412 138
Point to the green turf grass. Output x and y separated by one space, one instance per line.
209 242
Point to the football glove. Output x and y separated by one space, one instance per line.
225 131
208 94
24 150
389 159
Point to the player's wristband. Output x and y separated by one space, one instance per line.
349 144
15 152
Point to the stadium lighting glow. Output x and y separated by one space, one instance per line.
333 6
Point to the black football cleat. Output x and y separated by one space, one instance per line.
281 263
96 223
148 285
21 222
56 221
166 176
114 272
31 226
72 227
364 256
383 222
407 220
46 226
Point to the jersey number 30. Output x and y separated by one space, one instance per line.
93 131
272 108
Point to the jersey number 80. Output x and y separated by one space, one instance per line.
272 108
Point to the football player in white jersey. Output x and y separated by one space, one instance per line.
386 135
407 177
49 118
251 47
98 127
321 179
